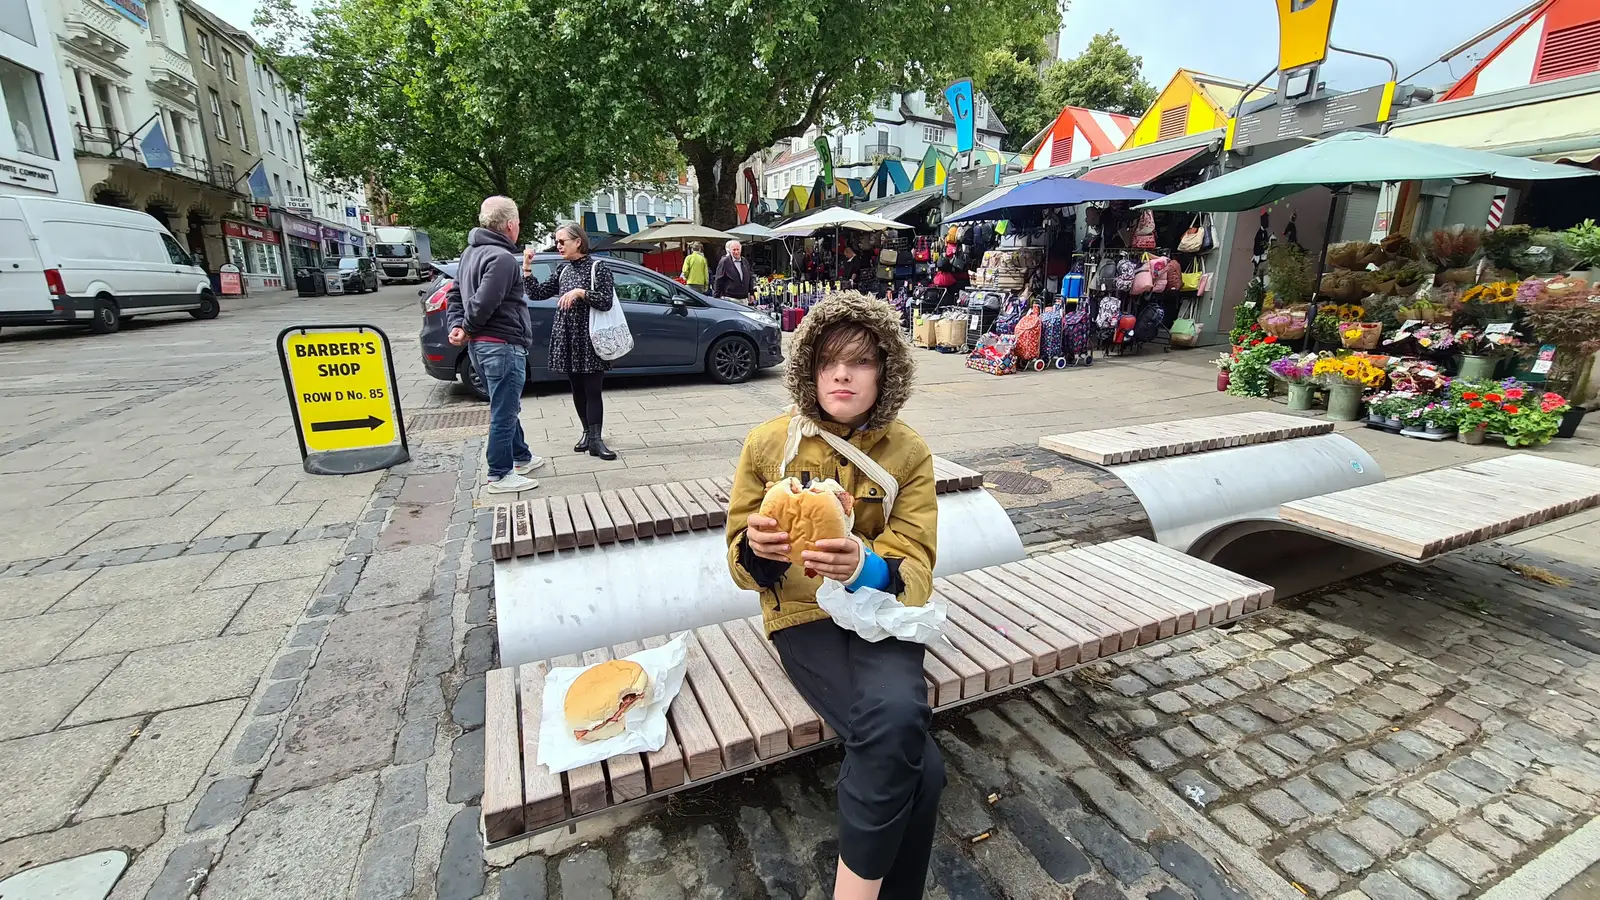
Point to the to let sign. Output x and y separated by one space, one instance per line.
344 398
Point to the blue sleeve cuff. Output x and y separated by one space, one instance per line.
874 572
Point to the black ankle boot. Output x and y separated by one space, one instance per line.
597 444
582 446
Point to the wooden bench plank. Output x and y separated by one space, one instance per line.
586 785
1211 600
618 512
737 744
625 771
702 754
717 492
582 525
521 529
1021 661
1122 592
758 628
566 536
996 669
716 510
681 495
1155 440
804 725
1089 597
969 674
1261 595
770 730
544 535
1076 642
544 799
1042 655
1112 633
675 510
605 532
500 543
644 522
663 767
502 802
1156 586
660 520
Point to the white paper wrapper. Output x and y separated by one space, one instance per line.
644 726
876 615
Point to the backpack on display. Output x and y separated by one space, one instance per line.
1127 269
1149 324
1174 275
1142 281
923 251
1110 311
1158 274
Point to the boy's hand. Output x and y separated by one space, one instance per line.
836 558
764 538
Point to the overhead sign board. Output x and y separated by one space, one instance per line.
1312 118
1303 30
344 398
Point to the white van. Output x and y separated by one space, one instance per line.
64 262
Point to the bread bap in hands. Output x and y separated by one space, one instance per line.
809 513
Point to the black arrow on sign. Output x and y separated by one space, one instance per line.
347 424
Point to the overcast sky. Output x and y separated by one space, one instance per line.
1239 38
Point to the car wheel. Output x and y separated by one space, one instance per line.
731 360
106 317
208 308
470 378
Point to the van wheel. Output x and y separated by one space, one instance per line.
208 308
106 317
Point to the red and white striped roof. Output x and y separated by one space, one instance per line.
1559 40
1079 134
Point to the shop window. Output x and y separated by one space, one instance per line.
23 95
16 21
602 202
1574 50
641 204
1174 122
933 134
236 254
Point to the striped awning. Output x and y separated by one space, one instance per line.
617 223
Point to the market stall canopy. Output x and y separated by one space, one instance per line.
1139 171
836 217
675 231
1354 157
1046 193
752 231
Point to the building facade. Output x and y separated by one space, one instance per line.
36 143
217 54
135 116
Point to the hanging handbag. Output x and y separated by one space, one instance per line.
1191 278
1193 239
1144 234
1185 332
608 328
1142 281
1174 276
1158 274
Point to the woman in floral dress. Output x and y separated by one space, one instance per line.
582 283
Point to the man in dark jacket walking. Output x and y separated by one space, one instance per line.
735 279
488 314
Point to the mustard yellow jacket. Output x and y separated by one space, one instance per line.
907 540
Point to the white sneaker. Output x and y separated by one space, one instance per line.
529 466
512 483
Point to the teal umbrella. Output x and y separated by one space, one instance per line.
1354 157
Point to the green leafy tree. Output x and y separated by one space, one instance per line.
1012 84
443 102
1104 76
726 80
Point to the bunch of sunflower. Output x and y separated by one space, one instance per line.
1349 370
1347 312
1493 292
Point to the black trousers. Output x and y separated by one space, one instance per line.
875 697
586 397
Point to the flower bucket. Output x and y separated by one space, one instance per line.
1344 402
1476 368
1222 380
1300 396
1473 435
1437 429
1570 420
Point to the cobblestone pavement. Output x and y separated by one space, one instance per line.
264 684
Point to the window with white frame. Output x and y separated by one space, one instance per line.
266 131
641 204
205 47
219 126
602 202
933 134
227 67
277 135
244 132
23 94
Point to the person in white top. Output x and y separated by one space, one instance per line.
735 279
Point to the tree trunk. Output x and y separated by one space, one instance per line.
717 207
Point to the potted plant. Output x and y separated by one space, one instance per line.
1296 372
1492 302
1481 351
1472 418
1526 418
1249 376
1583 240
1571 323
1346 377
1439 417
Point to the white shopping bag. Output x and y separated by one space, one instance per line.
644 725
608 329
875 615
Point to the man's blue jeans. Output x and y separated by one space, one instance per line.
503 368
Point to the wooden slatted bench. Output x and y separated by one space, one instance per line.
547 524
1132 443
1009 626
1418 517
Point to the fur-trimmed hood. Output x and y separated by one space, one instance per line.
899 368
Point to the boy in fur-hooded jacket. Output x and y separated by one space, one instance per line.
850 371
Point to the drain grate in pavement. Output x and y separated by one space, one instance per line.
459 418
1016 483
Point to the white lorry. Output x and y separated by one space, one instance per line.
402 254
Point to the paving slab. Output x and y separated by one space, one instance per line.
132 832
166 760
36 700
300 845
43 778
273 604
275 563
33 594
395 577
37 640
138 624
161 678
261 519
162 578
